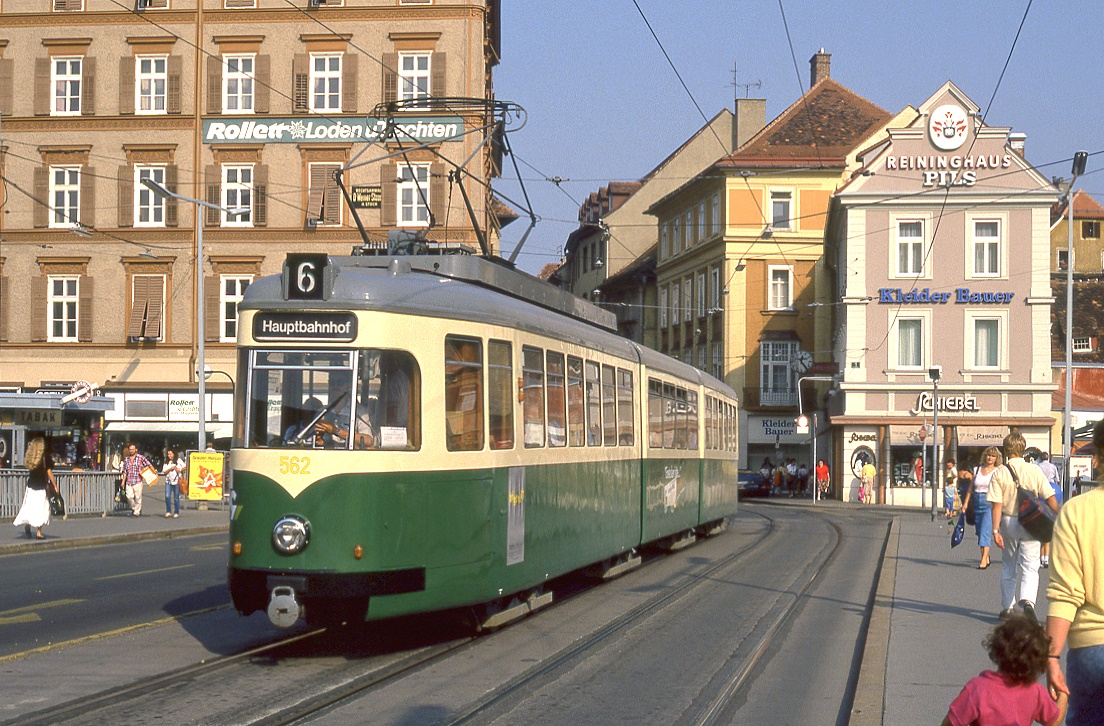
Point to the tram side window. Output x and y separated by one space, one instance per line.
669 418
532 371
709 422
609 406
692 420
557 401
576 403
594 405
625 420
655 414
463 394
500 394
730 420
681 423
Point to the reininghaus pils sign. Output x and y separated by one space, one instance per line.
298 130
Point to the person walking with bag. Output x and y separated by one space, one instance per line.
172 471
1075 599
35 511
977 497
132 468
1020 558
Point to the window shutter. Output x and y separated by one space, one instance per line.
139 295
390 77
126 195
389 189
349 83
262 67
38 308
212 217
331 199
317 190
155 305
7 69
88 86
300 83
84 309
215 68
438 190
175 68
437 65
3 308
126 85
172 216
88 196
41 215
212 315
43 96
260 195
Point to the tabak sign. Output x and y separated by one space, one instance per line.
948 129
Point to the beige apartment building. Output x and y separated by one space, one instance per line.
251 106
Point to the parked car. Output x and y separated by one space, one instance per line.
752 484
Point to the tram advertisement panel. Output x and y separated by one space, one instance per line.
206 472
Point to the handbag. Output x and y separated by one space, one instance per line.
959 531
148 474
57 505
1033 514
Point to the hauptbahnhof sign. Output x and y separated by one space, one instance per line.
299 130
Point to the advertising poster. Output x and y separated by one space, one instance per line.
206 470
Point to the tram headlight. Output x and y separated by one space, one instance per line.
291 535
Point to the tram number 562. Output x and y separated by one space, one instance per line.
304 276
295 464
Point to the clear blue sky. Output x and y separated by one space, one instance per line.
604 104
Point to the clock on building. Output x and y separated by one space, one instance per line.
801 361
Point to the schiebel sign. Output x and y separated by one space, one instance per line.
946 403
299 130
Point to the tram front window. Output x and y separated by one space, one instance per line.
360 399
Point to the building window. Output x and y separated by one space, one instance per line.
716 214
237 194
687 301
702 233
62 301
691 230
413 195
676 239
414 74
701 296
1090 229
718 362
910 247
781 288
986 343
1063 259
325 82
231 291
67 86
715 288
1082 345
910 342
663 241
150 83
663 307
237 83
65 196
147 306
987 248
780 210
675 304
149 208
777 380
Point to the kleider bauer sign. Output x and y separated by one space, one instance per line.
327 327
307 129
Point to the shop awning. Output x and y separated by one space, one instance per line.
981 435
52 402
167 427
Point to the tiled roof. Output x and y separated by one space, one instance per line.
1084 207
549 270
1088 322
820 128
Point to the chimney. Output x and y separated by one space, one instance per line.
820 67
1016 141
750 118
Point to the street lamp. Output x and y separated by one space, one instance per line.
803 421
201 365
1078 169
934 374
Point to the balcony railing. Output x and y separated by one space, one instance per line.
771 397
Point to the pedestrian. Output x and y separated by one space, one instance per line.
1075 599
133 482
172 471
1020 556
823 477
802 478
35 511
978 497
950 480
1050 471
791 476
866 487
1012 695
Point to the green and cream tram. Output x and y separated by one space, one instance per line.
430 432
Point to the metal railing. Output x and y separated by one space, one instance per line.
84 492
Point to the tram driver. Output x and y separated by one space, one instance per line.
336 424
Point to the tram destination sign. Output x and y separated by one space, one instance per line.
308 326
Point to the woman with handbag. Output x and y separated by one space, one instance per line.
35 511
976 497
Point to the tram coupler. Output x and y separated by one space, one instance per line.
283 608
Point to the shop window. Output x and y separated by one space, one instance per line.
463 394
500 393
576 402
532 371
910 247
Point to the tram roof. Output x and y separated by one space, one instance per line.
472 289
